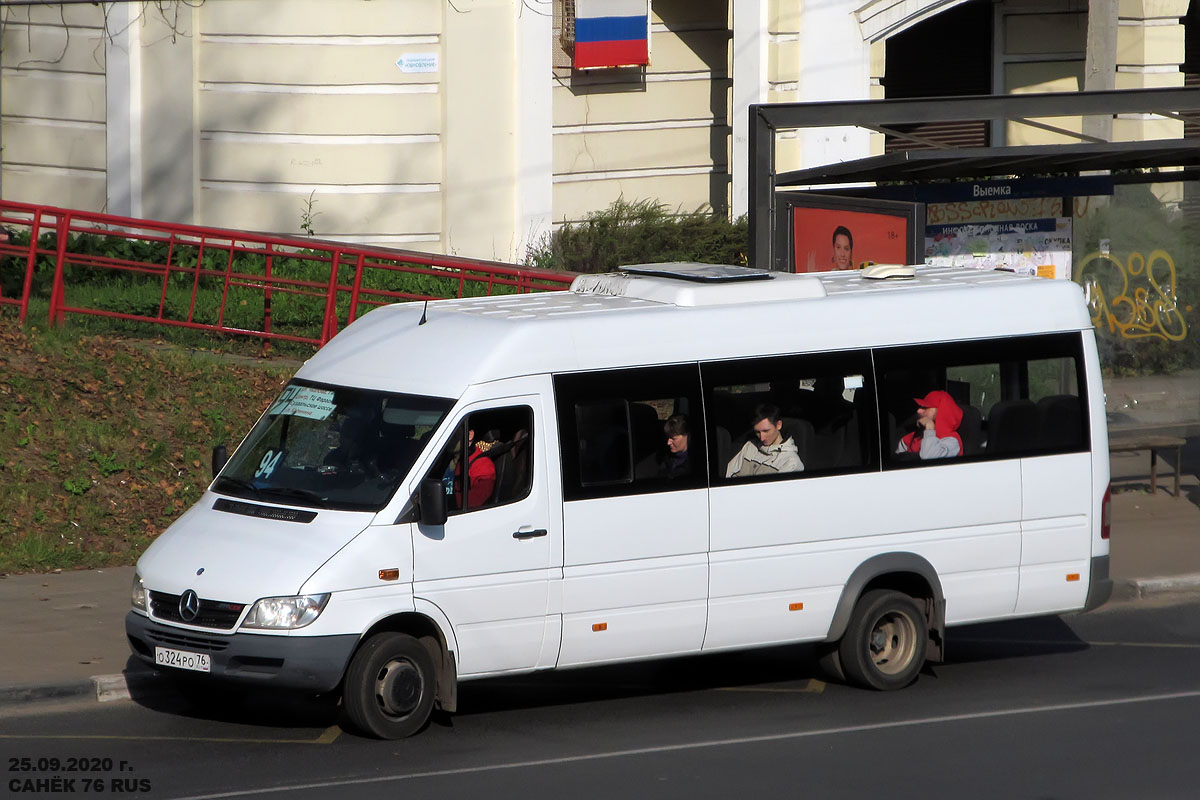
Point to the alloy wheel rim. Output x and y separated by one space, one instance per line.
892 643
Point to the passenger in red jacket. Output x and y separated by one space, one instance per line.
481 472
938 418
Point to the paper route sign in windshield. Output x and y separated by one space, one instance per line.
304 401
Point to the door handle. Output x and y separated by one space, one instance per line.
529 534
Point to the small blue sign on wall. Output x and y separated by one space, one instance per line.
418 62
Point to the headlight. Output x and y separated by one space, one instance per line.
137 593
286 613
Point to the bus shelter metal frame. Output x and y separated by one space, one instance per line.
1122 160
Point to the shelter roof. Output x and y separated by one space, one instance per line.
979 162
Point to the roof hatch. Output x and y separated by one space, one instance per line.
688 284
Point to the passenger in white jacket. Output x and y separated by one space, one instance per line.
771 454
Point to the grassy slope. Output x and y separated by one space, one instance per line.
104 441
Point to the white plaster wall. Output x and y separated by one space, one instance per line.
834 65
750 45
664 138
305 98
535 125
54 108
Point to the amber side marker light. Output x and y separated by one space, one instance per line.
392 574
599 626
795 606
1072 576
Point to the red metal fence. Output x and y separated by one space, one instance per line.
274 287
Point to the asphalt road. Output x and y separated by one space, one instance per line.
1099 705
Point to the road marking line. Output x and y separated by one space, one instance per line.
670 748
331 733
324 738
811 687
1169 645
1054 643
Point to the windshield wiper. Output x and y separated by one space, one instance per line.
244 485
297 494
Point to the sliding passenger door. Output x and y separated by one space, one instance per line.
635 513
794 461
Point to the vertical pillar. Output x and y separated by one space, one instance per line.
1100 66
877 72
1149 50
170 133
479 128
749 71
785 24
535 129
123 79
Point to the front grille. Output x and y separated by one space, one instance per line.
187 641
264 512
212 613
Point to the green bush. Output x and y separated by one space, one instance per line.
641 232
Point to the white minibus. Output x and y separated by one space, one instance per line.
667 460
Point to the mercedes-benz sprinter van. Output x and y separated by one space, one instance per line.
668 460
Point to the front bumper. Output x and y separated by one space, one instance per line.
312 663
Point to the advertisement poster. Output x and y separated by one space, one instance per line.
834 239
1028 247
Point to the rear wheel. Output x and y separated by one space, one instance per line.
390 686
884 644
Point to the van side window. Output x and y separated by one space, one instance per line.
630 431
825 405
498 468
1000 398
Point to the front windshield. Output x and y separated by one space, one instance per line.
332 447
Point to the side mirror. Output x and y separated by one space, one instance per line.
431 497
219 456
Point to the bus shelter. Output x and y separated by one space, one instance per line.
1101 187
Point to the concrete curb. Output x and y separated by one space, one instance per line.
1137 588
102 688
45 693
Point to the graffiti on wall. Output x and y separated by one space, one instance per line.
1135 298
988 211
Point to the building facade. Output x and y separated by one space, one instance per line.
461 127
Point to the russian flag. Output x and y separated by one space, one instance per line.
612 33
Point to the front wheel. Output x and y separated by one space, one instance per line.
884 644
390 686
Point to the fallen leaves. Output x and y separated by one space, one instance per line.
84 405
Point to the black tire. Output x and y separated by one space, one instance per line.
390 686
884 644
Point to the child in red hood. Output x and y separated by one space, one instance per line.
938 417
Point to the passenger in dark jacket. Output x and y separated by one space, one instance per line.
673 462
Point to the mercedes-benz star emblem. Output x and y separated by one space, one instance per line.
189 606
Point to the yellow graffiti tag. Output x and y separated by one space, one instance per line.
1146 309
